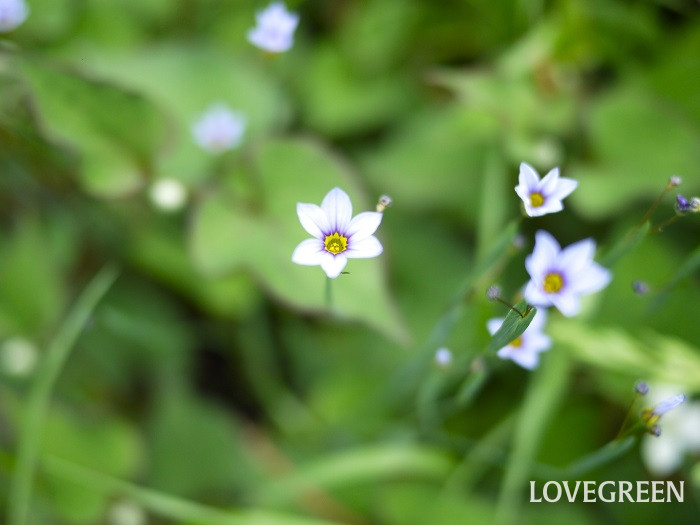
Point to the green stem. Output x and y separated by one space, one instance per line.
329 294
168 506
662 225
20 491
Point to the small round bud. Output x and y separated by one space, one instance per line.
168 194
443 357
494 292
18 357
641 388
682 205
519 241
674 180
655 430
383 203
640 287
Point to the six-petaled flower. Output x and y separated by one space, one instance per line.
542 196
524 350
338 235
219 129
274 30
559 277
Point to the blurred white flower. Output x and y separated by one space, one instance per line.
168 194
126 513
275 27
219 129
558 277
664 454
337 234
542 196
18 356
12 14
525 349
443 357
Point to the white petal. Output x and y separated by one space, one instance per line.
538 342
543 256
564 188
549 206
538 322
313 219
492 325
368 247
567 303
550 182
363 225
523 192
333 264
590 280
577 256
308 252
527 360
661 455
338 208
528 177
535 295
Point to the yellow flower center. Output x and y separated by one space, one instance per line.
517 342
536 200
553 282
335 243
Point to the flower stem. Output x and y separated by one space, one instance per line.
659 228
20 491
329 294
655 205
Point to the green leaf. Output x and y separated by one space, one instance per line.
513 326
115 132
228 237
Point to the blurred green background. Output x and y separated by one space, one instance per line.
212 371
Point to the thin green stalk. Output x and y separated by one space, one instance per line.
329 294
169 506
20 492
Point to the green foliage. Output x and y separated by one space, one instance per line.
213 383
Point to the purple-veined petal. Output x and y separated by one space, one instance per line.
564 188
567 303
333 264
363 225
308 252
338 208
492 325
535 295
313 219
590 279
543 256
528 177
549 182
368 247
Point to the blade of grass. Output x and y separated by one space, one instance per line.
168 506
20 492
544 393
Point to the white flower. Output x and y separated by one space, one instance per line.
664 454
18 357
443 357
559 277
542 196
525 349
168 194
12 14
219 129
337 234
275 27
